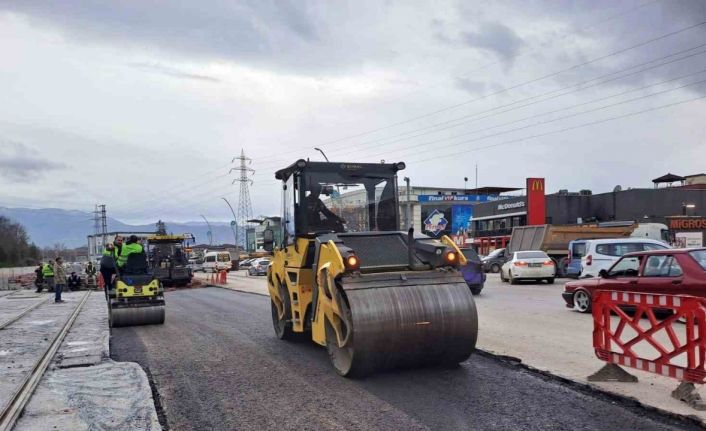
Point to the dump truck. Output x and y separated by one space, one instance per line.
168 258
555 239
348 279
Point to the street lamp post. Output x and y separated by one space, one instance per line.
235 222
210 232
322 152
408 207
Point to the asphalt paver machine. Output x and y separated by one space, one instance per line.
168 258
137 297
346 276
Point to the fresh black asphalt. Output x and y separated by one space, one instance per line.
217 365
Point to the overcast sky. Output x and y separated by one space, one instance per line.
143 105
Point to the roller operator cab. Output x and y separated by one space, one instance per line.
348 278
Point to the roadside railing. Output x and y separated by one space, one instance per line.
628 332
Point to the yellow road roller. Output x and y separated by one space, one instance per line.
346 276
137 297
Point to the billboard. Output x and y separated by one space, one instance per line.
536 202
436 220
451 220
461 218
458 198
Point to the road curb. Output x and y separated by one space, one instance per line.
589 389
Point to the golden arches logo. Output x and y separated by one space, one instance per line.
537 185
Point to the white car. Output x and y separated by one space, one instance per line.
603 253
528 265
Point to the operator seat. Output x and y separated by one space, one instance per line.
136 270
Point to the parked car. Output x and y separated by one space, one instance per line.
259 267
246 263
495 260
195 265
215 261
664 271
577 250
473 271
528 265
603 253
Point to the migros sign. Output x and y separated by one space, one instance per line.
687 223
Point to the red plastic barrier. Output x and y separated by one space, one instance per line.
101 282
223 277
614 346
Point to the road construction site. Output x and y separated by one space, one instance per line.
230 372
216 364
542 335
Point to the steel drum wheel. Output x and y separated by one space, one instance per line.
283 329
405 327
342 358
134 316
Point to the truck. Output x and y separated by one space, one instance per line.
555 239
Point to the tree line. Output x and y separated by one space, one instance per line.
15 246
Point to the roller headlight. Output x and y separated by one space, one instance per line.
352 262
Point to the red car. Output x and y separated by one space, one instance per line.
670 271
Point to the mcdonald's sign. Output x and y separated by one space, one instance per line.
536 201
537 184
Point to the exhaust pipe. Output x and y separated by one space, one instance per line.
410 247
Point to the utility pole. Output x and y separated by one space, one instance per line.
104 225
244 206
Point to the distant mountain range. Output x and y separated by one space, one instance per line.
49 226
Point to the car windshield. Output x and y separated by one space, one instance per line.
339 202
531 255
700 257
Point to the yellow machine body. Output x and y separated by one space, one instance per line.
376 298
124 290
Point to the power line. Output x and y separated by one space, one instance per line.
475 117
409 147
566 129
553 95
519 85
512 57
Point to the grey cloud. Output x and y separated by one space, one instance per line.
24 163
173 72
470 86
251 31
497 38
18 168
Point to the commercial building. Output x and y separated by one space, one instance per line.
483 218
493 222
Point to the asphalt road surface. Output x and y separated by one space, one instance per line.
217 365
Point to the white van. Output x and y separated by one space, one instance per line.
215 261
603 253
